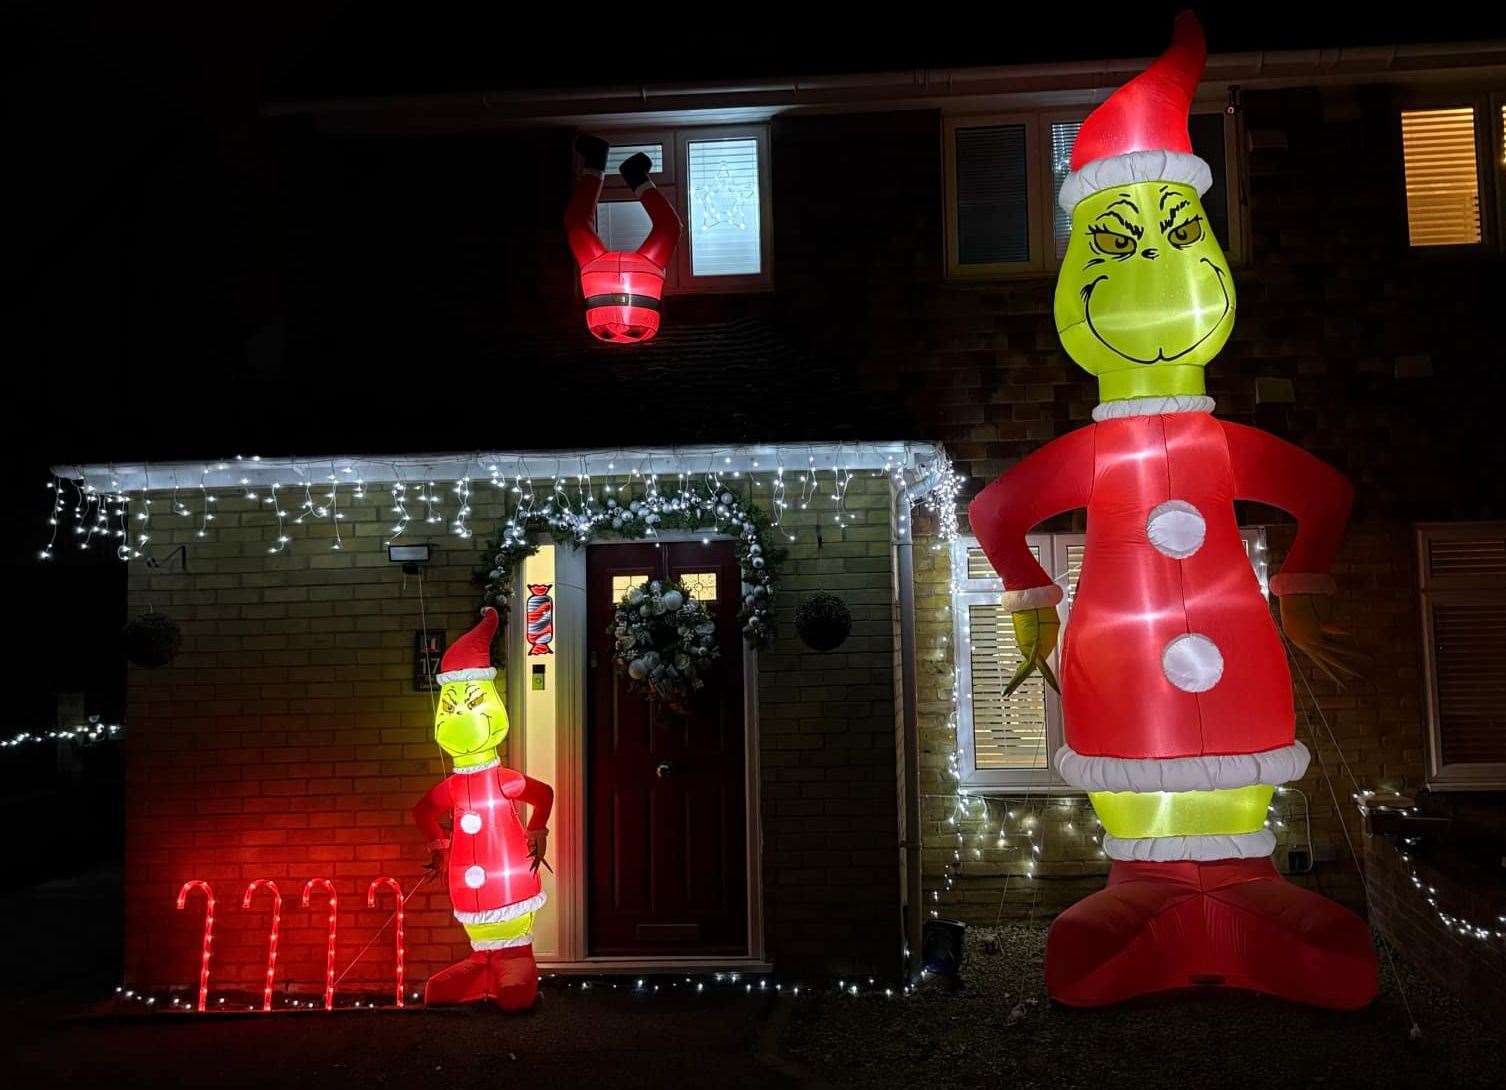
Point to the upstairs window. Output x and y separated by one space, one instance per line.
1442 173
718 181
1003 174
1453 171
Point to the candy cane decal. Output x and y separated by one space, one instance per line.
271 886
329 957
397 892
208 932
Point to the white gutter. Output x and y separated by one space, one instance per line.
916 460
1064 83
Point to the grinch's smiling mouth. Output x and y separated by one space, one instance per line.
1160 356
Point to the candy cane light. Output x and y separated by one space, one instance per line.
204 888
329 956
398 952
271 887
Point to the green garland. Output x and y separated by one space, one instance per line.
706 507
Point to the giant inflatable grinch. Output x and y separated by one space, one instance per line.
493 860
1176 698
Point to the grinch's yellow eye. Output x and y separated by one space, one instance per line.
1110 243
1185 234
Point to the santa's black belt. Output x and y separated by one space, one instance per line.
623 299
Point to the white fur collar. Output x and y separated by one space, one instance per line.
1152 406
470 769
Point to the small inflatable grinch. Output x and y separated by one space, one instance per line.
493 862
1176 698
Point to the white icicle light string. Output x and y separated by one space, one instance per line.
106 500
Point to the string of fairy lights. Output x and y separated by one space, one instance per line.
92 731
1465 928
305 999
111 508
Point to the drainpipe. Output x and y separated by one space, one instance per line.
909 740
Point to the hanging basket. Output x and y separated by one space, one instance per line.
823 622
152 640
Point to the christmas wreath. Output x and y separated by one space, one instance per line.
664 640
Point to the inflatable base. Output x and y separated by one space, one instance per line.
508 977
1231 923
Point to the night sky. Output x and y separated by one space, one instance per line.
135 268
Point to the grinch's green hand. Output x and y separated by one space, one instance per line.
1305 618
1035 633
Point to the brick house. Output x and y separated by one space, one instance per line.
879 320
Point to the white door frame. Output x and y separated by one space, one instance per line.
568 835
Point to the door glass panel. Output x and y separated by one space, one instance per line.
700 584
621 584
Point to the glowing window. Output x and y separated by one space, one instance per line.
618 153
1442 176
701 584
621 225
621 584
726 235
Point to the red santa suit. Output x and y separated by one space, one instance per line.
491 873
1173 673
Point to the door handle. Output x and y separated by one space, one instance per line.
664 769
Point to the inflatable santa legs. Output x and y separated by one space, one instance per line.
1176 697
622 288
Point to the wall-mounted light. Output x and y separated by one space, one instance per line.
408 554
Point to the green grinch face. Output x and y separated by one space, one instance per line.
471 721
1144 298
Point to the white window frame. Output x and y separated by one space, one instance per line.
1052 549
1040 191
1474 776
674 182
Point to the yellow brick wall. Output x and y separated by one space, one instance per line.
286 740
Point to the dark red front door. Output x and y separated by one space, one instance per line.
666 820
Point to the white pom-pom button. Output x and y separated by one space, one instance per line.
470 822
1176 529
1192 663
475 877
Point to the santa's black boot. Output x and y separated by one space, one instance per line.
635 170
593 152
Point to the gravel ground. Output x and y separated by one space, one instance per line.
963 1037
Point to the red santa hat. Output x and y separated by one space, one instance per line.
1139 133
470 657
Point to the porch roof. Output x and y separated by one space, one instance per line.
919 465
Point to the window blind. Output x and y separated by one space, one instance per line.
618 153
993 213
621 225
1464 596
724 206
1207 132
1442 176
1007 732
1063 136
